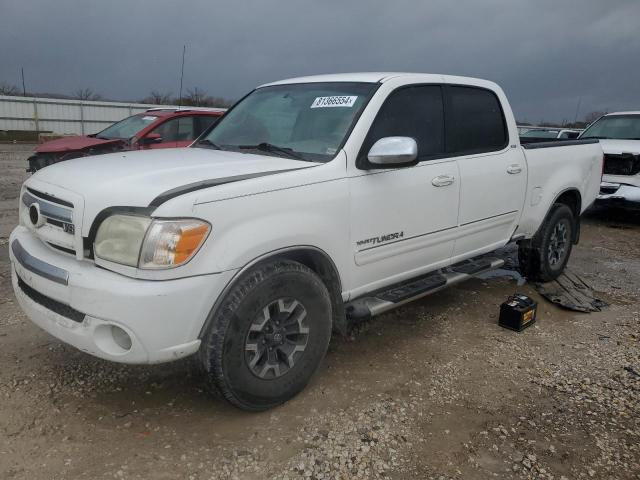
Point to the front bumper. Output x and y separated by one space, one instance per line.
619 195
83 305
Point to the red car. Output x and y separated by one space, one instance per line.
155 128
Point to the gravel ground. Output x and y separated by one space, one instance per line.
13 164
435 390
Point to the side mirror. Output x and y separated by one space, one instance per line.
393 152
150 139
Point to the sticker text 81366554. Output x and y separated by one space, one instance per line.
336 101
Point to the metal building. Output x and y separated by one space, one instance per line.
78 117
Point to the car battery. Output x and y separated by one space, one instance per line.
518 312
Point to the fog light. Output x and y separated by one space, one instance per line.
122 338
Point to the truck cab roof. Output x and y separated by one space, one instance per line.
633 112
382 77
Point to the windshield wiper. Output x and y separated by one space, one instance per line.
208 144
270 147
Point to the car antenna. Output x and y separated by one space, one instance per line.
184 49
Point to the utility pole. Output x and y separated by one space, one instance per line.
24 90
184 49
575 119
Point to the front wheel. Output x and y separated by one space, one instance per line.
545 256
268 336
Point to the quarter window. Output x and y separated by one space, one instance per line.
415 112
475 122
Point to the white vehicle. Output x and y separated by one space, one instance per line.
545 133
312 202
619 135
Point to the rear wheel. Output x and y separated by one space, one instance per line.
268 336
544 257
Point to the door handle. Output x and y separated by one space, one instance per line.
443 180
513 169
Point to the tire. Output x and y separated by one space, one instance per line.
545 256
281 305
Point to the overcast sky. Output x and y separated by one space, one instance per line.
546 54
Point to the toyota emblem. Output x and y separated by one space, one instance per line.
34 215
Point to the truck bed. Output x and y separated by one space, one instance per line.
553 169
557 143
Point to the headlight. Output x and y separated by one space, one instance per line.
120 237
170 243
149 244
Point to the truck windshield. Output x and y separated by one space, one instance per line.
127 128
621 127
308 121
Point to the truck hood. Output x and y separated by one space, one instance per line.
71 144
144 178
617 147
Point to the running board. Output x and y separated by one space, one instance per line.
404 292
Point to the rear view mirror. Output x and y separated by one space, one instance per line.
150 139
393 152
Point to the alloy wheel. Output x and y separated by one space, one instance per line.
277 338
558 244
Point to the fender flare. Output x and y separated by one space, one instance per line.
339 320
577 209
576 236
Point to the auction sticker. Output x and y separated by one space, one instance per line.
337 101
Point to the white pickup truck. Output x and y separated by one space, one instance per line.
619 135
312 202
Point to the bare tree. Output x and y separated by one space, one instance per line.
158 98
195 97
86 94
199 98
220 102
8 89
593 116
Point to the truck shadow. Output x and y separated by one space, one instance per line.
386 357
613 217
119 394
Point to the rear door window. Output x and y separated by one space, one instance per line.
475 121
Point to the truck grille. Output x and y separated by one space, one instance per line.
623 164
50 198
51 304
68 251
608 189
52 219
